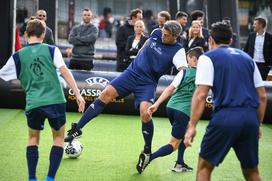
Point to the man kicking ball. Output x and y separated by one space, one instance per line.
178 110
140 78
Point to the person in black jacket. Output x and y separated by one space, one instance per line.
200 16
122 35
163 16
195 37
259 46
49 38
135 42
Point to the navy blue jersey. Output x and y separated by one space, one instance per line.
156 58
234 78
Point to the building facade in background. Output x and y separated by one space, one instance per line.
248 9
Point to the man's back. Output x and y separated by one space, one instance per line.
233 83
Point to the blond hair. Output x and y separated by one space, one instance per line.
191 35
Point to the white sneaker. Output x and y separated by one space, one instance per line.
181 168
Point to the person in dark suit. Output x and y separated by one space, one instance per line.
135 42
49 38
234 43
195 36
200 16
259 46
182 18
163 16
122 35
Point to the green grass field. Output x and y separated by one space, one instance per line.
112 144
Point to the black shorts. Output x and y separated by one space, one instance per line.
179 122
55 114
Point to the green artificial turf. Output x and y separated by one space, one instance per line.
112 144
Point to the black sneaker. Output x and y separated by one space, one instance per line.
181 168
142 162
73 133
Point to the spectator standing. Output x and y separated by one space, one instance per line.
234 43
49 38
195 37
135 42
122 35
182 18
259 46
200 16
83 38
163 16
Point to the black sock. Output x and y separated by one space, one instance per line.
162 151
55 159
181 150
147 130
32 156
93 110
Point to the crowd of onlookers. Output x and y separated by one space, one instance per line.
131 33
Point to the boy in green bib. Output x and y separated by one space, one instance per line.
36 67
178 111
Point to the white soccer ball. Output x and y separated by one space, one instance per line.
73 149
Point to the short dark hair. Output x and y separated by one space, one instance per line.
221 32
86 9
196 14
195 52
261 21
227 20
165 14
35 27
134 12
181 14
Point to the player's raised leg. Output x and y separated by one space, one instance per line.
32 153
93 110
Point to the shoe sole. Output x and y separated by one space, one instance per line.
138 167
65 140
173 170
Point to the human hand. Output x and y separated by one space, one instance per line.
81 103
189 136
152 109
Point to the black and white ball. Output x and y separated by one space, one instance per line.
73 149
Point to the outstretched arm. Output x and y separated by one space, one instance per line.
65 72
165 94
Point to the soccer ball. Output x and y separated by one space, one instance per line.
73 149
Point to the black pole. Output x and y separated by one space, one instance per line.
173 8
218 9
6 32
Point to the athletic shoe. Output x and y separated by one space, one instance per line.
181 168
142 162
73 133
49 179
